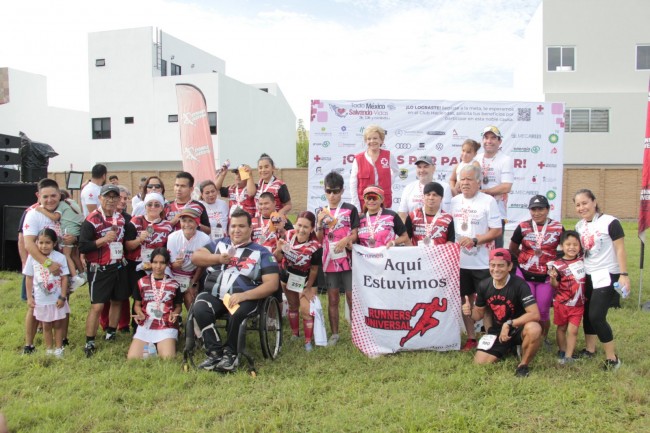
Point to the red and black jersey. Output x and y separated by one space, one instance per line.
298 258
264 234
238 197
420 225
537 250
157 236
172 208
277 188
94 227
158 301
571 282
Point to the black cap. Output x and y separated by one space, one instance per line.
435 187
109 187
538 201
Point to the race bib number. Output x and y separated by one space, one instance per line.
145 255
296 283
117 250
183 281
577 270
487 341
600 279
335 255
155 310
216 232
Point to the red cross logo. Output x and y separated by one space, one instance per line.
541 165
317 158
540 108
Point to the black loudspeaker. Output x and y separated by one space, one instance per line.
14 198
9 158
9 142
33 174
9 175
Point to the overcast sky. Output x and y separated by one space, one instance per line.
313 49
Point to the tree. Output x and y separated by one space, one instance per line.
302 146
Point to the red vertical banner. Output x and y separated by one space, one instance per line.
196 141
644 208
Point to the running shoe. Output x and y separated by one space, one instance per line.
210 362
28 350
229 362
522 371
89 349
610 365
308 347
584 353
470 344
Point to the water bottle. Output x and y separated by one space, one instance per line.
149 350
622 290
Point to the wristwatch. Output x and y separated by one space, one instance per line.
510 324
475 240
47 263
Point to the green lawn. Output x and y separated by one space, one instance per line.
328 390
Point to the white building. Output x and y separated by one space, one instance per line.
132 76
597 61
24 107
132 124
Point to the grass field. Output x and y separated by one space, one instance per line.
333 389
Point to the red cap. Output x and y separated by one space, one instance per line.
500 253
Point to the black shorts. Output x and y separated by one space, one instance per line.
499 349
133 276
108 285
470 279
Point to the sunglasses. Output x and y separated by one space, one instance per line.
111 197
153 205
154 185
371 197
332 191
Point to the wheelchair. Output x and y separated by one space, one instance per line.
266 320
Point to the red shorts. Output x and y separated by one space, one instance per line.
563 314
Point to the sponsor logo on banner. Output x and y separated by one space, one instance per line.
402 145
339 111
554 151
421 146
542 165
457 135
439 146
341 144
403 173
551 195
553 138
322 158
436 132
540 109
319 170
401 132
338 170
397 187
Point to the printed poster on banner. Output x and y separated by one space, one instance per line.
533 136
406 298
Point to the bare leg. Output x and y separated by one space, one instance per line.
92 321
136 349
30 327
47 335
166 348
58 332
531 340
590 342
333 309
561 337
571 339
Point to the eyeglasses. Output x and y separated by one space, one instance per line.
111 197
371 197
154 186
156 204
332 191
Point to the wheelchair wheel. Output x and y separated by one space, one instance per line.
193 344
270 325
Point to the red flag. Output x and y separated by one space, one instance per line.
196 141
644 208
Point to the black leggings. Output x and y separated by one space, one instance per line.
597 304
206 310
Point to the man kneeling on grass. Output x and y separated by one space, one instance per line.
516 316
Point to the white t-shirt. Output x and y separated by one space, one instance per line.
36 221
218 216
413 197
46 287
90 195
598 245
177 245
135 200
497 170
475 216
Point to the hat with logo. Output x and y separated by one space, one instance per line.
501 253
426 159
109 187
493 129
538 201
192 213
433 187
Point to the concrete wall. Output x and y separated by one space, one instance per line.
616 189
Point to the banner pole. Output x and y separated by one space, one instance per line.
641 271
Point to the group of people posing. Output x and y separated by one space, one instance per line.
222 257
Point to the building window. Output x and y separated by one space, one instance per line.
163 68
586 120
172 118
176 69
101 128
212 118
100 62
264 89
561 59
128 120
642 57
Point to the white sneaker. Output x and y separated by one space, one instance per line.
49 352
334 338
77 282
58 352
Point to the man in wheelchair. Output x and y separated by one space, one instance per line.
239 273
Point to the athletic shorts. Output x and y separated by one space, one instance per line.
470 279
108 285
499 349
563 314
339 280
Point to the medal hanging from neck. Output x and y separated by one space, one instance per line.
158 292
331 220
372 228
486 170
289 246
45 283
465 225
264 230
428 228
539 237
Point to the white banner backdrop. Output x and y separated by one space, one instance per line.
533 134
406 298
